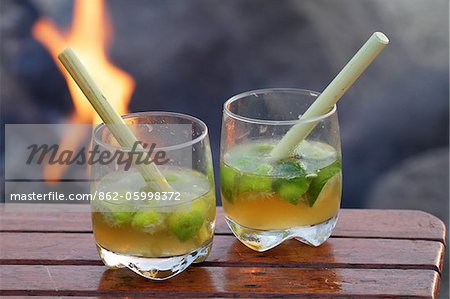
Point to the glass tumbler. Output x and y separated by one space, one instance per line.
268 200
155 233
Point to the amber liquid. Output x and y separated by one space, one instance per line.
125 239
270 212
154 228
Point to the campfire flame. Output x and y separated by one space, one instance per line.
89 35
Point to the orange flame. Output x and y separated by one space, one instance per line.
89 35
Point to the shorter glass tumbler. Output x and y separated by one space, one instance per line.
155 233
267 201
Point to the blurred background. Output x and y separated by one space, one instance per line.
190 56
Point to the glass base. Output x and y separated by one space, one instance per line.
263 240
154 268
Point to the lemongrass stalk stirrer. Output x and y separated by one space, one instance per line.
334 91
110 117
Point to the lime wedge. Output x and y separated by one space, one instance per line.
147 221
332 188
292 189
227 181
186 224
258 183
323 176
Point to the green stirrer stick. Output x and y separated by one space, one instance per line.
110 117
332 93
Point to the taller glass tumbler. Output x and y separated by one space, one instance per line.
267 201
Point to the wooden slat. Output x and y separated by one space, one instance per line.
373 253
45 218
395 224
387 224
79 249
219 282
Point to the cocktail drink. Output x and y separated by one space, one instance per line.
267 200
157 234
289 193
163 227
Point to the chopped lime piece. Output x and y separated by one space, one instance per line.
292 189
117 214
322 178
111 199
120 218
147 221
227 181
185 225
249 182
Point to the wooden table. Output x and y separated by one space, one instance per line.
373 253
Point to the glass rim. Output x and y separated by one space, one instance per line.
194 119
255 92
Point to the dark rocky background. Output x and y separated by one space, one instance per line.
190 56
